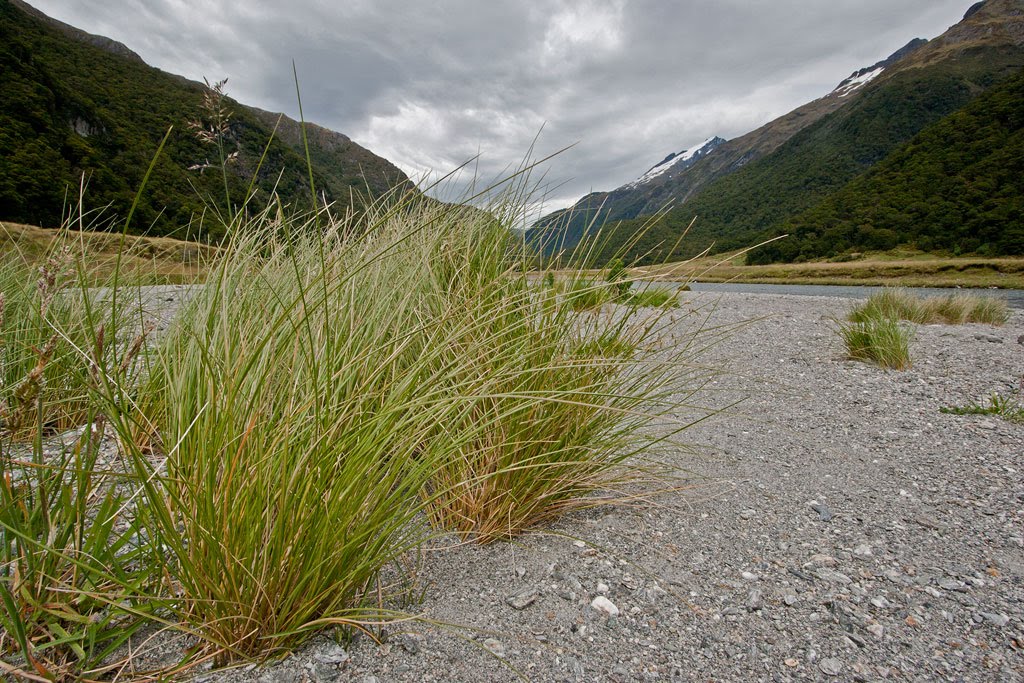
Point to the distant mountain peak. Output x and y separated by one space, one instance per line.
858 79
678 161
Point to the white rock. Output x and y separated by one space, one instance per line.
495 646
604 605
602 588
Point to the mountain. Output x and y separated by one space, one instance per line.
957 186
632 199
748 187
76 104
563 229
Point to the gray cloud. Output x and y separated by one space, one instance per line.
432 85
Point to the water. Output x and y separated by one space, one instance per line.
1013 297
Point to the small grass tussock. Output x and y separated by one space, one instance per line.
882 341
952 309
76 582
1006 407
545 419
585 293
652 297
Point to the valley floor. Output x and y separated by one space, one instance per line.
902 271
836 526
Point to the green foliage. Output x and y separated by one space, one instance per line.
951 309
582 294
60 120
882 341
957 187
652 297
75 581
1005 407
618 278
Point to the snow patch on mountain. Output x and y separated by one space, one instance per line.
678 161
858 80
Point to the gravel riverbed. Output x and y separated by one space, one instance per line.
837 526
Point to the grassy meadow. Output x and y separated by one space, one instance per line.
897 268
142 260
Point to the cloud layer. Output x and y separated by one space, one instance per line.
433 85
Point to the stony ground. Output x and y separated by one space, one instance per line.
838 527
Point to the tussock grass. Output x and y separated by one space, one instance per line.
551 404
290 401
50 335
76 581
953 309
652 297
1006 407
335 379
584 294
882 341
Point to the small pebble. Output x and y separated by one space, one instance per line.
495 647
824 514
754 601
999 620
605 606
830 666
522 599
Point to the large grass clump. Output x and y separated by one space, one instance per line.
337 390
951 309
336 378
548 405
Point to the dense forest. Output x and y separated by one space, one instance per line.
73 113
740 209
958 186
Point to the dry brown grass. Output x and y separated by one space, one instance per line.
905 270
151 260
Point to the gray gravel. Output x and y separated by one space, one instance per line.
837 527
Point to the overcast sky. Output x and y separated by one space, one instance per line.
429 85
